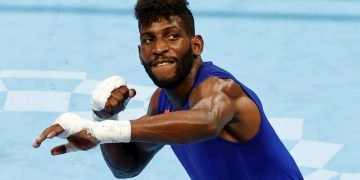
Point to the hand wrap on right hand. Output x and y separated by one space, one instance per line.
107 131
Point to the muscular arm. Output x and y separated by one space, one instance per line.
128 159
214 104
217 106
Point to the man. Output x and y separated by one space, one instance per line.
215 125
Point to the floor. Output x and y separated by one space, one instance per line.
300 57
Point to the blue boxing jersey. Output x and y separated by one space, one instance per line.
262 157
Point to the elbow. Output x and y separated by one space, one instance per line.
216 121
124 175
213 128
213 131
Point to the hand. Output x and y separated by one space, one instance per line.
83 134
78 141
116 102
110 97
71 127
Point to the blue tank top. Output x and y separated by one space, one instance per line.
262 157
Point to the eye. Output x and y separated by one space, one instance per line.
147 40
173 36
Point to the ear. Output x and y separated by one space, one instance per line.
197 45
140 54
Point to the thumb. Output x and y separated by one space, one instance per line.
132 93
64 148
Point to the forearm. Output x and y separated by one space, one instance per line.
119 160
176 128
128 159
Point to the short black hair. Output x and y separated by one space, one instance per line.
149 11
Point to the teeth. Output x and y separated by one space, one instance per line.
163 64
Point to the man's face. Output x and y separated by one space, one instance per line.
166 52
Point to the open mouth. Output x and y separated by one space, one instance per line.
163 63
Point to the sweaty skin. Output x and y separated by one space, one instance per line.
218 107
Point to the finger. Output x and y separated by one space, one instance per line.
64 148
107 107
123 90
83 140
119 96
61 149
56 131
132 93
43 136
113 102
110 104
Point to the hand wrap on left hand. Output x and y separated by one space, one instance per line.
103 91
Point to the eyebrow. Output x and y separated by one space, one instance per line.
165 29
146 34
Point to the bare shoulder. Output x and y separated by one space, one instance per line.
246 117
215 85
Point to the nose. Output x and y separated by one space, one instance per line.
160 47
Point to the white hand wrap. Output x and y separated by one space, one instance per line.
107 131
71 123
103 91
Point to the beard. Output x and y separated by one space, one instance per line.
183 68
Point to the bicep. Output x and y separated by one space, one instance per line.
230 106
211 97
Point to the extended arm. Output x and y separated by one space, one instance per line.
212 107
214 104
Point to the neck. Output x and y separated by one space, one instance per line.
180 93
